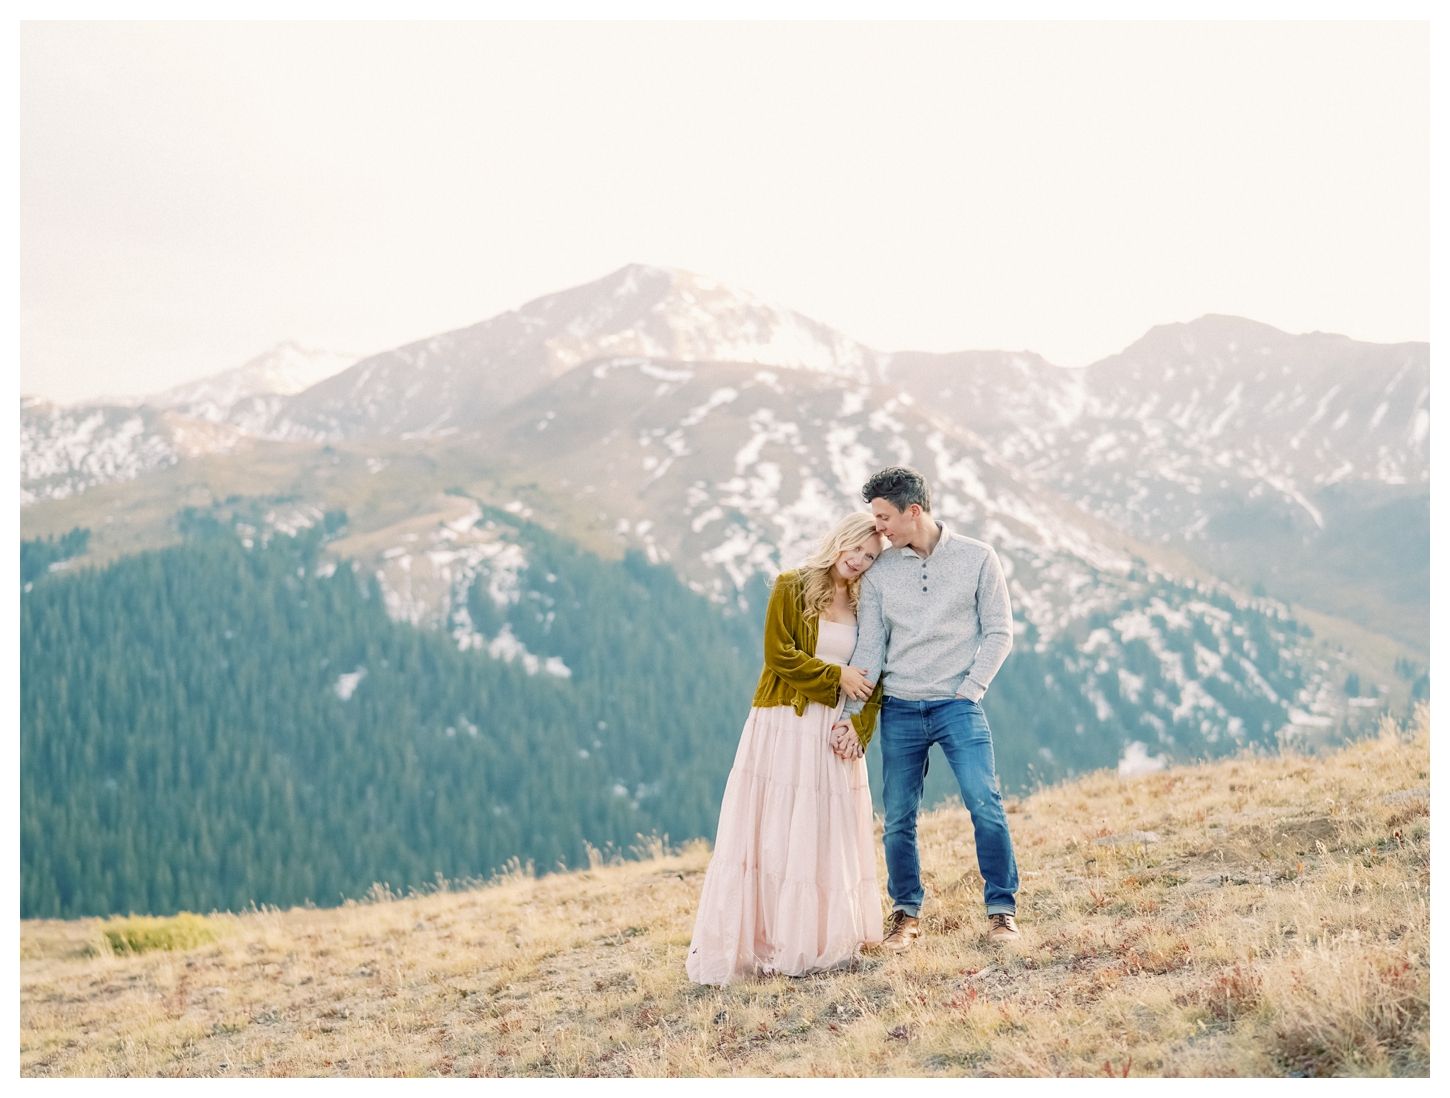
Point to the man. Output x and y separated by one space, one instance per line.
935 624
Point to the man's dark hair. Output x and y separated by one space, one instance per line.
899 485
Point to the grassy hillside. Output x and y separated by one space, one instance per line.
1274 922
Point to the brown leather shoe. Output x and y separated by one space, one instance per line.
901 931
1004 928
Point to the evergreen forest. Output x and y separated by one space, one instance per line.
208 726
211 725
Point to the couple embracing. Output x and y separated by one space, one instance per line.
893 620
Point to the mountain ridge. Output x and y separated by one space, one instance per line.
636 311
728 467
454 380
1260 454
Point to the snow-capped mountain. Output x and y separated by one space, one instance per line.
730 472
456 380
1254 451
248 395
1151 437
1266 456
723 435
742 468
66 449
1181 428
450 382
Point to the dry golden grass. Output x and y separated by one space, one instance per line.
1280 925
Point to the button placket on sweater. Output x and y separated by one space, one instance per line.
923 573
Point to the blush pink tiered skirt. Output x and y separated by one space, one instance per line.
792 886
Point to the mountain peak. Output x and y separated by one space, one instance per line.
669 312
460 378
1226 332
282 370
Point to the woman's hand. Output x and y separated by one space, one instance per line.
844 742
854 683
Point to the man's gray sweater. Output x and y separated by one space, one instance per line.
937 626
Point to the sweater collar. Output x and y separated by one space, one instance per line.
946 534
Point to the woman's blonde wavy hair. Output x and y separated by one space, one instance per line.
850 532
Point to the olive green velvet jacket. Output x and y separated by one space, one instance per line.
792 675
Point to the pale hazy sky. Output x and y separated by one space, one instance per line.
193 193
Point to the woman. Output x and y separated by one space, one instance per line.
792 885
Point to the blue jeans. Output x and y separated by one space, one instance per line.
908 729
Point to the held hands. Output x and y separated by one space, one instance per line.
844 742
855 684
